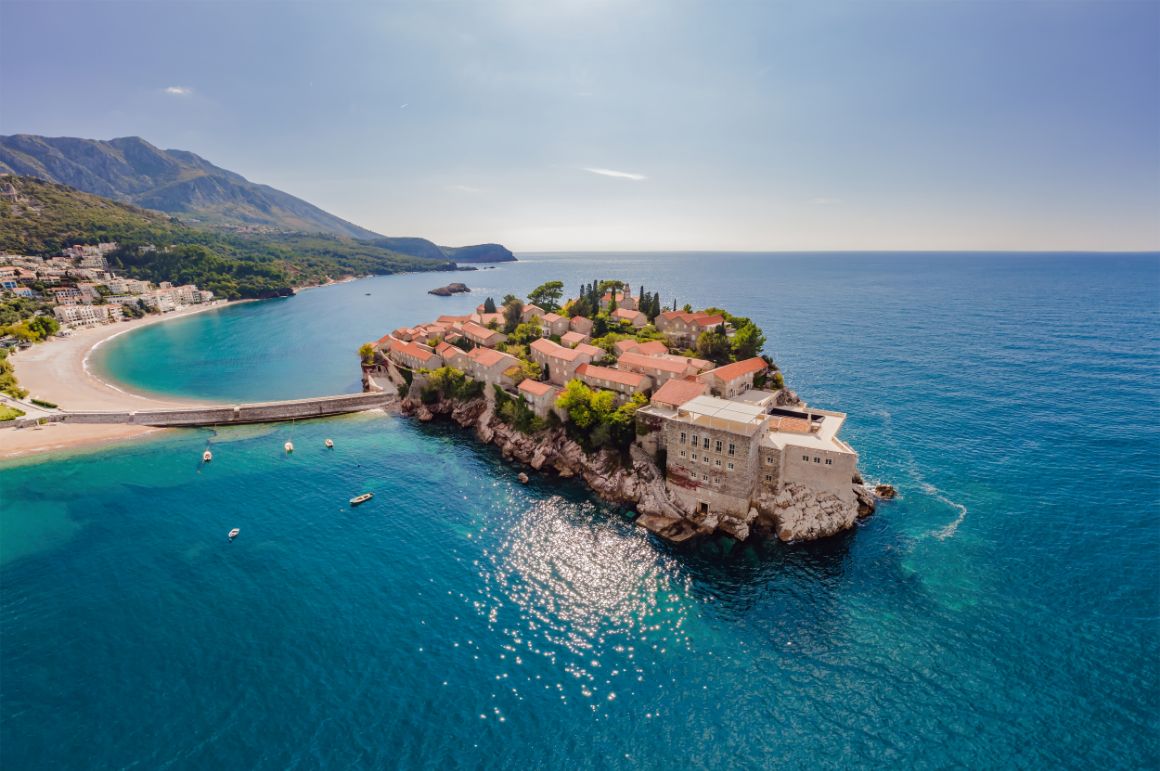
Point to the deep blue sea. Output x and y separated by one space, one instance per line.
1004 612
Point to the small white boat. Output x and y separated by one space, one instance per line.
329 443
234 533
355 501
207 456
289 446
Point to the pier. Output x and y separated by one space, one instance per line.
224 415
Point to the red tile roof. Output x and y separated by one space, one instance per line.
676 392
651 348
640 361
611 375
572 338
483 333
536 388
488 357
738 369
548 348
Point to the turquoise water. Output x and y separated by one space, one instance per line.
1003 612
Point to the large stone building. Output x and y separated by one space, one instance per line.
728 456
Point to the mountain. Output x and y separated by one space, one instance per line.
39 217
421 247
133 171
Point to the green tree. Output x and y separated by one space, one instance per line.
366 352
512 310
547 295
489 305
525 333
576 401
714 346
747 342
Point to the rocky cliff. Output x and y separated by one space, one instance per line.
796 514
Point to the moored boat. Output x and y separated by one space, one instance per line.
207 456
355 501
329 443
289 447
234 533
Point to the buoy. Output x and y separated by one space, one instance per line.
289 446
330 443
207 456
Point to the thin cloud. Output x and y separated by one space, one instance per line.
465 189
616 174
825 201
179 90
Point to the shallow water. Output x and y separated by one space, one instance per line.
1002 612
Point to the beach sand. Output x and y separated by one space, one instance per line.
57 371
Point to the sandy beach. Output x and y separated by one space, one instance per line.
58 371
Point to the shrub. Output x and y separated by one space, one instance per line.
43 403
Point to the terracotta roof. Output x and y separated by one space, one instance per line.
676 392
535 387
705 320
471 328
640 361
651 348
533 309
611 375
447 350
581 319
625 313
487 318
572 338
548 348
384 340
624 346
552 317
422 354
488 357
452 319
738 369
593 350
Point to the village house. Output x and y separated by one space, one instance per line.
531 312
452 356
734 379
488 338
541 397
488 319
87 314
573 339
635 318
596 352
622 382
560 361
492 367
580 324
676 392
413 355
553 324
659 368
684 328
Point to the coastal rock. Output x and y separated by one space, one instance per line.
885 492
786 398
795 513
522 477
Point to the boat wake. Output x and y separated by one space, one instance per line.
947 531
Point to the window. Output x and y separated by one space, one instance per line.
682 437
718 462
682 453
769 460
768 478
829 461
694 440
706 443
732 448
705 459
694 456
704 477
718 446
806 458
817 460
729 466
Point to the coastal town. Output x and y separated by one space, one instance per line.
78 289
686 392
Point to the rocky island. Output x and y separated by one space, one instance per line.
675 413
450 289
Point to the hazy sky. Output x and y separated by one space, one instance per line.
635 125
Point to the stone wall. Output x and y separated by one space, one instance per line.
267 412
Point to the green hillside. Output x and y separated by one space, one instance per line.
40 218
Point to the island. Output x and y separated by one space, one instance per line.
450 289
673 412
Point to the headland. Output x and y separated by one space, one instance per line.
675 413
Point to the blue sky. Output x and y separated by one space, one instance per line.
635 125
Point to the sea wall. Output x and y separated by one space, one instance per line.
263 412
